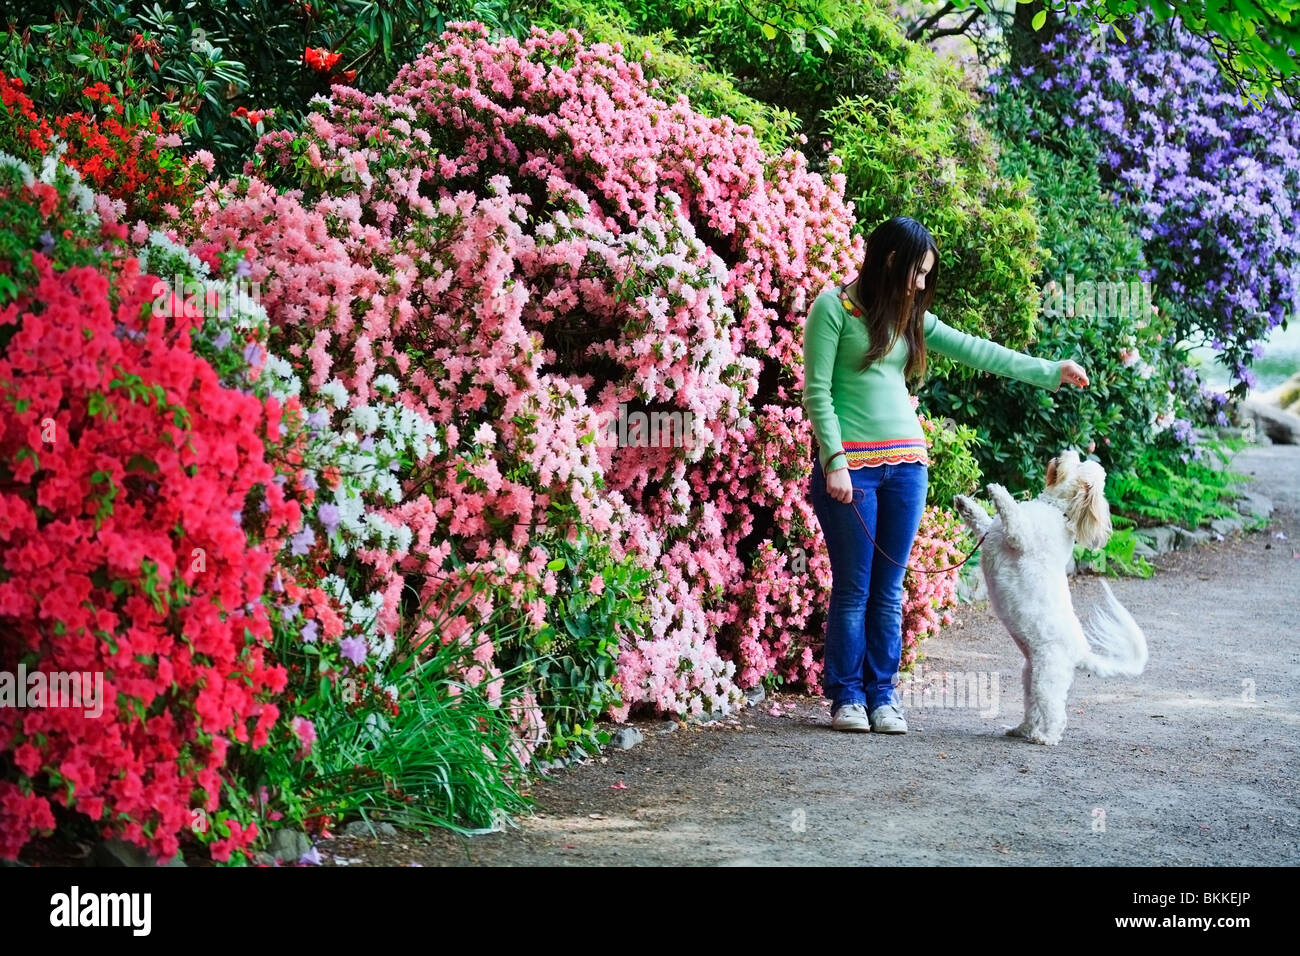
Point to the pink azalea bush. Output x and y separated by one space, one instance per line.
480 278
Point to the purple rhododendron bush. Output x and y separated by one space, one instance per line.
593 298
1211 179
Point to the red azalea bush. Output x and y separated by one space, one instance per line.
139 519
20 118
131 162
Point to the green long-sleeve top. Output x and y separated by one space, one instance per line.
868 414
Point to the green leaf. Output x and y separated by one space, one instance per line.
1039 19
138 462
556 565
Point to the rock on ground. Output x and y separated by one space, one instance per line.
1280 426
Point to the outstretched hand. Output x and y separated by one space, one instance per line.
1072 373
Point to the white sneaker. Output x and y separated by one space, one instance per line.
851 717
888 719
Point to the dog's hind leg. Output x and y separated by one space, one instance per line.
1026 677
1013 528
1045 709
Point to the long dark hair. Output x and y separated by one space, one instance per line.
890 305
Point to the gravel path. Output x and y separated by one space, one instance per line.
1192 763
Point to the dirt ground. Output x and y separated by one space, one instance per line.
1193 763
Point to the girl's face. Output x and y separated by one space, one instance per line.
919 277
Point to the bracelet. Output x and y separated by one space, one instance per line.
833 457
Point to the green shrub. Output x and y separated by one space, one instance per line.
917 154
573 664
1117 557
1137 386
802 56
166 70
1192 493
953 468
1086 236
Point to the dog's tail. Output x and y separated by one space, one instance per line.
1118 646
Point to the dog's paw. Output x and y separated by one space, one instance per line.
999 495
974 516
1016 731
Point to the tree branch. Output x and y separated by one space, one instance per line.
929 22
953 31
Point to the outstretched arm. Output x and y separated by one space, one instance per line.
998 359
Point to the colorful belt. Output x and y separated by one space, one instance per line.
894 451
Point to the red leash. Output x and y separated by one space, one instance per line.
854 503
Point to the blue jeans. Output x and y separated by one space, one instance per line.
864 624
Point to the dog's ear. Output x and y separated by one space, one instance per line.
1088 514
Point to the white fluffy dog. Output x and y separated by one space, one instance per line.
1024 560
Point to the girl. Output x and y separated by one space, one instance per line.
860 343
